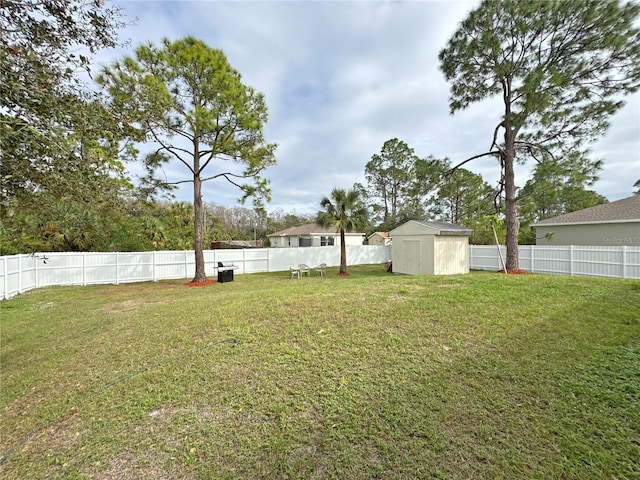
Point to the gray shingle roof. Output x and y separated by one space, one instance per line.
446 228
625 210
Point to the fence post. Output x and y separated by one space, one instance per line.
186 267
117 268
571 260
624 261
5 273
153 259
84 269
20 273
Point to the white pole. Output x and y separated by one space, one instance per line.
495 235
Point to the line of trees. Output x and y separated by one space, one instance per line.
560 68
137 225
400 186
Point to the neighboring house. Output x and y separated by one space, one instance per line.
430 248
379 238
614 223
312 235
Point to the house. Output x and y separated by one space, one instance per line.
430 248
379 238
313 235
614 223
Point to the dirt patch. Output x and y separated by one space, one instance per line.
122 307
205 415
127 465
515 272
200 284
126 288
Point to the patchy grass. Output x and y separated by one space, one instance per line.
369 376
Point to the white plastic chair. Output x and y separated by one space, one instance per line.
304 269
321 269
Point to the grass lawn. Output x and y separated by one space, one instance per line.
375 375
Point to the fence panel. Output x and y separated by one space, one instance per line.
631 261
551 259
285 258
135 267
486 257
597 262
60 269
19 274
169 265
256 260
101 268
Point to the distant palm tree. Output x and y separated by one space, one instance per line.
345 211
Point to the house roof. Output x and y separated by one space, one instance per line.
235 244
442 228
381 234
620 211
308 229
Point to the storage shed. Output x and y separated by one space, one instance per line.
430 248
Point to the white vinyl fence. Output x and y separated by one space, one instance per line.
20 273
616 262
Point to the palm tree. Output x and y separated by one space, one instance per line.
346 212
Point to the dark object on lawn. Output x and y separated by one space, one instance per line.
389 266
225 272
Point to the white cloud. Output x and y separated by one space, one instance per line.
341 78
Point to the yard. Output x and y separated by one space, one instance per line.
369 376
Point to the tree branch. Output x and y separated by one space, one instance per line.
531 146
495 136
170 149
228 177
486 154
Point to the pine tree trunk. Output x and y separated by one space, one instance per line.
511 211
200 276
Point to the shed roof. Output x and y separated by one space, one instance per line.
308 229
381 234
441 228
620 211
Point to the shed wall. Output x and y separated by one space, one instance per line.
413 254
451 255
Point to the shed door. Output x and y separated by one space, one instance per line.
413 257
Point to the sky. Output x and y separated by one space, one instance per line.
340 79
